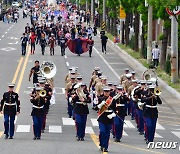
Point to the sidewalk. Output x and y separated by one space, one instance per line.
169 95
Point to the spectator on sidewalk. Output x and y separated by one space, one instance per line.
155 56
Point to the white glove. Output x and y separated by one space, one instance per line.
70 99
110 116
101 104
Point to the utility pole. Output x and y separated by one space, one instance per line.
92 10
104 11
174 49
77 4
149 39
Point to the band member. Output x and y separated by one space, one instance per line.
80 100
94 76
119 108
32 40
139 93
132 105
52 43
10 107
105 120
63 41
99 86
133 77
79 79
151 113
24 41
123 77
90 44
37 112
34 71
43 43
68 92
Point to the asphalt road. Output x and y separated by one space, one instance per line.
59 136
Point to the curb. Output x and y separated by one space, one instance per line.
138 67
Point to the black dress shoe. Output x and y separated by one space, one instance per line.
141 133
82 139
147 142
38 138
117 140
105 150
42 131
34 138
11 137
6 136
101 149
77 138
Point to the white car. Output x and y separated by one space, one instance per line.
15 4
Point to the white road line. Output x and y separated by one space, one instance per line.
8 29
5 32
23 128
117 63
176 133
65 57
124 133
129 124
89 130
2 35
160 127
0 39
68 121
157 136
63 90
106 63
94 122
55 129
67 63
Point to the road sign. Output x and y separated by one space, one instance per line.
103 25
122 14
176 11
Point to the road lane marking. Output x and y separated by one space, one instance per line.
65 57
67 63
161 116
17 70
106 63
2 35
157 136
22 72
94 122
124 133
89 130
23 128
160 127
68 121
55 129
5 32
128 124
176 133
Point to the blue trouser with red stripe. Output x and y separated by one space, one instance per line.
151 128
69 108
80 124
140 120
37 125
9 124
104 134
118 123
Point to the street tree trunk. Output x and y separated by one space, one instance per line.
136 31
127 30
164 47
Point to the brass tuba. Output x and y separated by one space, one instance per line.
80 91
150 75
48 69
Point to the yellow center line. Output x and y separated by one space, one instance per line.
17 70
1 133
22 72
94 137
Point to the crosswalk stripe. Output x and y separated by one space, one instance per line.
160 127
124 133
89 130
157 136
23 128
55 129
94 122
68 121
176 133
129 124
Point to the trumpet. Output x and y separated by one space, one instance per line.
157 91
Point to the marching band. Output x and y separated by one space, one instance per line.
112 101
